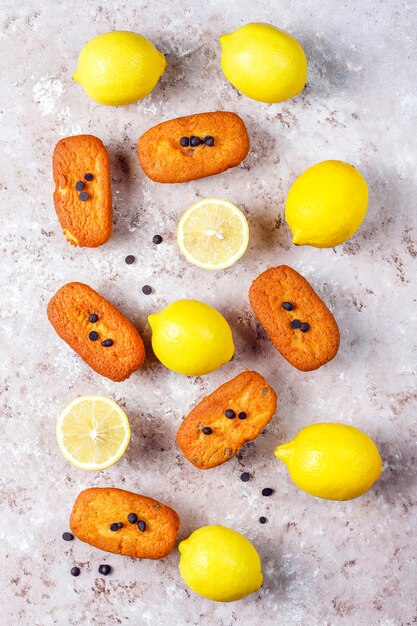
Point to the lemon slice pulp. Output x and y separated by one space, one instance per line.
213 234
93 432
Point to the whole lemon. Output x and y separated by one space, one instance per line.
264 62
190 337
119 67
326 204
332 461
220 564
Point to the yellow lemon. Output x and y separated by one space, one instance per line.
332 461
326 204
213 234
119 67
93 432
264 62
220 564
190 337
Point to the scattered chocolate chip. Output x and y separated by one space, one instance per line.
130 259
287 306
295 324
304 327
142 526
93 318
67 536
75 571
194 141
88 177
114 527
132 518
107 343
230 414
147 290
242 415
207 430
184 141
263 520
119 525
93 335
104 569
79 185
244 477
267 491
83 196
209 140
157 239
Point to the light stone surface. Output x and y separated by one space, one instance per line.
325 563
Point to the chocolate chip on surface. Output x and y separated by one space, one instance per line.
67 536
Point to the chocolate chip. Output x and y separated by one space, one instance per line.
287 306
130 259
209 140
157 239
267 491
88 176
142 526
230 414
194 141
244 477
132 518
67 536
147 290
242 415
79 186
93 318
263 520
75 571
107 343
114 527
83 196
119 525
295 324
304 327
104 569
207 430
184 141
93 335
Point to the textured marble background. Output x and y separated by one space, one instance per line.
325 563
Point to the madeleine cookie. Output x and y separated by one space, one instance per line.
298 323
125 523
222 422
82 195
96 330
193 147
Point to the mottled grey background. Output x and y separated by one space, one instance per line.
325 563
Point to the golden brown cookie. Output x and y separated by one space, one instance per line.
150 534
298 323
222 422
223 143
96 330
82 195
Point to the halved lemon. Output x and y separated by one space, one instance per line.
93 432
213 234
